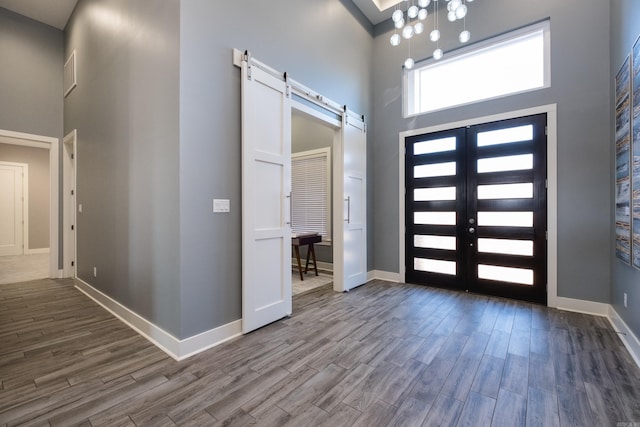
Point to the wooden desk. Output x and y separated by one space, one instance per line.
309 240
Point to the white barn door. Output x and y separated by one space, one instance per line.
11 225
266 195
353 159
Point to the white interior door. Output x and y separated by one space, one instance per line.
11 221
354 221
266 195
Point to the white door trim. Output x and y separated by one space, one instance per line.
52 144
326 118
69 246
552 190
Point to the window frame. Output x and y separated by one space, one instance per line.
410 76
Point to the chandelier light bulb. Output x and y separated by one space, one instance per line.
397 16
437 54
407 32
399 24
409 63
451 16
418 28
464 36
435 35
423 3
455 4
461 11
395 39
422 14
412 12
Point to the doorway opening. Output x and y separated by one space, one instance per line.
476 208
39 246
313 140
268 100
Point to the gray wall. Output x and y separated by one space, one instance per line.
125 109
38 161
625 29
580 88
321 44
308 134
30 76
31 79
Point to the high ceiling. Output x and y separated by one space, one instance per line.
57 12
376 10
52 12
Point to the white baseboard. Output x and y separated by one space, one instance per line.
174 347
626 334
582 306
36 251
383 275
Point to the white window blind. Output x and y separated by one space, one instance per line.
310 179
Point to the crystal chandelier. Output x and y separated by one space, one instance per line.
411 23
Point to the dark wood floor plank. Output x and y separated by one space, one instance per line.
498 344
542 408
222 408
516 370
428 386
477 411
574 407
488 376
379 413
445 411
606 405
382 354
296 401
264 403
342 389
542 372
510 410
412 412
341 415
461 378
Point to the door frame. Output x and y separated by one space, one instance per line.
552 190
329 120
321 108
51 144
24 212
69 168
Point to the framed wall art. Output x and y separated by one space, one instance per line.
623 165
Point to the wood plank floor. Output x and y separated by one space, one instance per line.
383 354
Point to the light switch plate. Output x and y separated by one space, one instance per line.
221 205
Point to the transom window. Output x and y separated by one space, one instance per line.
516 62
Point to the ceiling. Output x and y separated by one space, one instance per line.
57 12
376 10
52 12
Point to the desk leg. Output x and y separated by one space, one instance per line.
297 251
311 251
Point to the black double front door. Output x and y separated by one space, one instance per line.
476 208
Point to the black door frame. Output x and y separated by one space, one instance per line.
552 190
